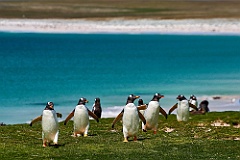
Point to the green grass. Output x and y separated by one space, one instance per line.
195 139
101 9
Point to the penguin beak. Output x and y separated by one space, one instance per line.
137 97
161 96
86 101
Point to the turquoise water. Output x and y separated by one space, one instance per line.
37 68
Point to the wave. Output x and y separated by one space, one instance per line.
111 112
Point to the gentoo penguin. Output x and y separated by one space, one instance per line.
182 108
140 103
97 109
193 100
203 108
81 118
152 113
130 118
49 124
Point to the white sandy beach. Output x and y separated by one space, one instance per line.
187 26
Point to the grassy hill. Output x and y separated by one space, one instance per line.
157 9
196 139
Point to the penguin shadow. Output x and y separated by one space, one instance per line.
139 139
143 138
88 135
56 145
92 135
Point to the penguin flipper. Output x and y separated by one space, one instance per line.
93 108
163 112
172 109
59 115
193 106
93 115
142 107
142 117
69 117
39 118
117 118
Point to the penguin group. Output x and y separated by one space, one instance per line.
80 115
131 115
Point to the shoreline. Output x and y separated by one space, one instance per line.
221 104
118 25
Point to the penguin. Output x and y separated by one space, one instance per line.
81 118
97 109
140 103
130 118
182 108
193 100
152 113
50 125
203 108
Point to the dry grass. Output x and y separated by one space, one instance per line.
101 9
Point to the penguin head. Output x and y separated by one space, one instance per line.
82 101
157 97
49 106
140 102
193 97
97 100
205 102
131 98
181 97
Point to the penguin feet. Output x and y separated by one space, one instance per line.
125 140
135 138
76 135
154 132
44 144
144 130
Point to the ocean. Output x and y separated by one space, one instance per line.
39 67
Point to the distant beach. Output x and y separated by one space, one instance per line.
185 26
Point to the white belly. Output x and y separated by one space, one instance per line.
49 124
194 102
183 110
152 115
130 120
81 119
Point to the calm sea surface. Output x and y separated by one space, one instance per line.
37 68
